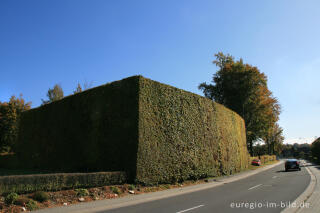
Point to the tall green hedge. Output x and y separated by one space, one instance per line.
95 130
183 135
154 132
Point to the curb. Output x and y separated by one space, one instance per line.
101 205
304 196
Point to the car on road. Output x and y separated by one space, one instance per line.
256 162
292 164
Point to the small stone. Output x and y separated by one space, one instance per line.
23 209
81 199
131 192
65 204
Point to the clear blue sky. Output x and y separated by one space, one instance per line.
45 42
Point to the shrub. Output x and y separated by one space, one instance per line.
22 201
40 196
32 205
82 192
131 187
11 198
115 189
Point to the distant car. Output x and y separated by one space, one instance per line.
292 164
256 162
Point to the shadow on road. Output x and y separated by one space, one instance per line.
285 171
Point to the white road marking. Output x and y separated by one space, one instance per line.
190 209
254 186
274 177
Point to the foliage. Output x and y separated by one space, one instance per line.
145 128
54 94
315 150
296 151
243 88
85 86
40 196
264 158
9 117
78 89
32 205
8 162
58 181
115 189
22 201
82 192
274 139
11 198
131 187
185 136
95 130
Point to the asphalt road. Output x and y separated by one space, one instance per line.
267 191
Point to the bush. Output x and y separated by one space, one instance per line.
82 192
131 187
22 201
32 205
58 181
115 189
11 198
40 196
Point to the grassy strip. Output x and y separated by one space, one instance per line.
58 181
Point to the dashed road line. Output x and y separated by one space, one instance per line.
190 209
254 186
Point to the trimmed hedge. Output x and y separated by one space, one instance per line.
186 136
58 181
8 161
95 130
154 132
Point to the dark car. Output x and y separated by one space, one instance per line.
292 164
256 162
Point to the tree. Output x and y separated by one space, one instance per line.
243 88
54 94
315 150
78 89
274 139
9 117
85 86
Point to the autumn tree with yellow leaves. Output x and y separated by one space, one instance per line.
243 88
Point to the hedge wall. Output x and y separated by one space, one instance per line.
154 132
183 136
54 182
95 130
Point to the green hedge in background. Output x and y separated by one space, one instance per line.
154 132
264 158
54 182
186 136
